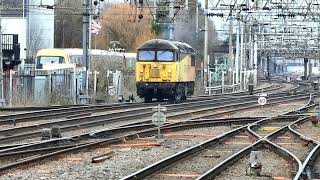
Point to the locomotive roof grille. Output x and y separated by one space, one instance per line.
166 44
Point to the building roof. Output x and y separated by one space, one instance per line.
79 52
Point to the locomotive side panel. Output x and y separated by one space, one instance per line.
186 70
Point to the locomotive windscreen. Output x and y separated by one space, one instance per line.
151 55
146 55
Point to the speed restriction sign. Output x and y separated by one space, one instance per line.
262 101
112 92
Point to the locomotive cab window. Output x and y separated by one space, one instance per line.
193 60
50 60
146 55
165 56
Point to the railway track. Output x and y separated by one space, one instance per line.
192 155
31 123
295 149
311 165
64 111
36 151
175 112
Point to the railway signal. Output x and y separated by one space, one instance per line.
111 90
159 118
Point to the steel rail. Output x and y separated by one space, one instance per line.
55 113
240 154
63 151
110 117
174 158
34 159
97 121
283 152
105 141
112 133
63 111
37 108
196 118
46 114
309 161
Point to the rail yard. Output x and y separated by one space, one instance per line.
204 137
159 89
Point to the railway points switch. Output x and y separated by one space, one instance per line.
56 132
255 163
46 134
315 85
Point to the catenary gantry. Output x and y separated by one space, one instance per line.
286 28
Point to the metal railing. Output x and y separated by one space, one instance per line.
222 89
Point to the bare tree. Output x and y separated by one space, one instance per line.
120 24
35 42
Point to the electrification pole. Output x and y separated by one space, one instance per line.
197 18
2 103
171 25
241 80
237 49
205 51
255 60
155 10
230 47
85 46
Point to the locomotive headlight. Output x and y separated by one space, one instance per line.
141 73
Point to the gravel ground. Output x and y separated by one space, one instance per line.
309 130
12 112
285 88
77 131
206 159
269 111
266 85
275 126
30 123
100 127
263 84
126 160
294 145
41 121
274 166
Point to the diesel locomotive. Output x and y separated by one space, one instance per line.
165 70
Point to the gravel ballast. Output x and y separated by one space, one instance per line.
128 160
272 165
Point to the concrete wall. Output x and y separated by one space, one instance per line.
35 33
16 26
